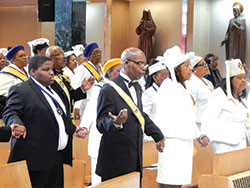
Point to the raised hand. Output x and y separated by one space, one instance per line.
87 84
121 118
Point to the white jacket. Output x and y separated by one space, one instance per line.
8 80
176 111
225 120
149 101
200 92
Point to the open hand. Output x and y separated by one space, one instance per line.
87 84
121 118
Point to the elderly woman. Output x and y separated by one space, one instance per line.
15 72
38 46
226 119
111 69
200 88
176 118
3 61
86 70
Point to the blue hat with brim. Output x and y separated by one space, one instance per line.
13 51
89 48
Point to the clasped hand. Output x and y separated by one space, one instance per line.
203 140
18 130
81 132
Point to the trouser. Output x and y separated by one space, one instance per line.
49 179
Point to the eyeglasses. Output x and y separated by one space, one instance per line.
141 63
61 55
98 52
201 65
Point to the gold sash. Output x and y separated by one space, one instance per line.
93 72
16 73
62 85
130 103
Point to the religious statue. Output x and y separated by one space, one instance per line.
235 39
146 30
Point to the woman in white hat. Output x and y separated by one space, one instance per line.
226 119
71 64
38 46
200 88
176 118
158 72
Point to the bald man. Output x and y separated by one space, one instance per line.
122 129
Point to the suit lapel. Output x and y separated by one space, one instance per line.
39 93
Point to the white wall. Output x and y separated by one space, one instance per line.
216 15
95 23
201 27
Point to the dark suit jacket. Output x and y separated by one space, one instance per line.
5 134
26 105
120 150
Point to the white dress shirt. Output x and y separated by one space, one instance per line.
63 136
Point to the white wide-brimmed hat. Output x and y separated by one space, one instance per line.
174 57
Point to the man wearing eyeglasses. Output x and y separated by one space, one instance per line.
121 120
214 73
62 83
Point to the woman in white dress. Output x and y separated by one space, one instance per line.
176 118
111 69
200 88
226 119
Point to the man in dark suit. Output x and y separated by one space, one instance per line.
62 83
48 144
120 149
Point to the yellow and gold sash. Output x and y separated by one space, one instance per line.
130 103
93 72
59 81
14 72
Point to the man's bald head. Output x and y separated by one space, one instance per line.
133 62
56 54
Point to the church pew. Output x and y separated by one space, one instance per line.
80 151
150 154
15 175
4 156
125 181
5 145
74 176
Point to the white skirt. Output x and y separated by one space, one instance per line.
175 162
